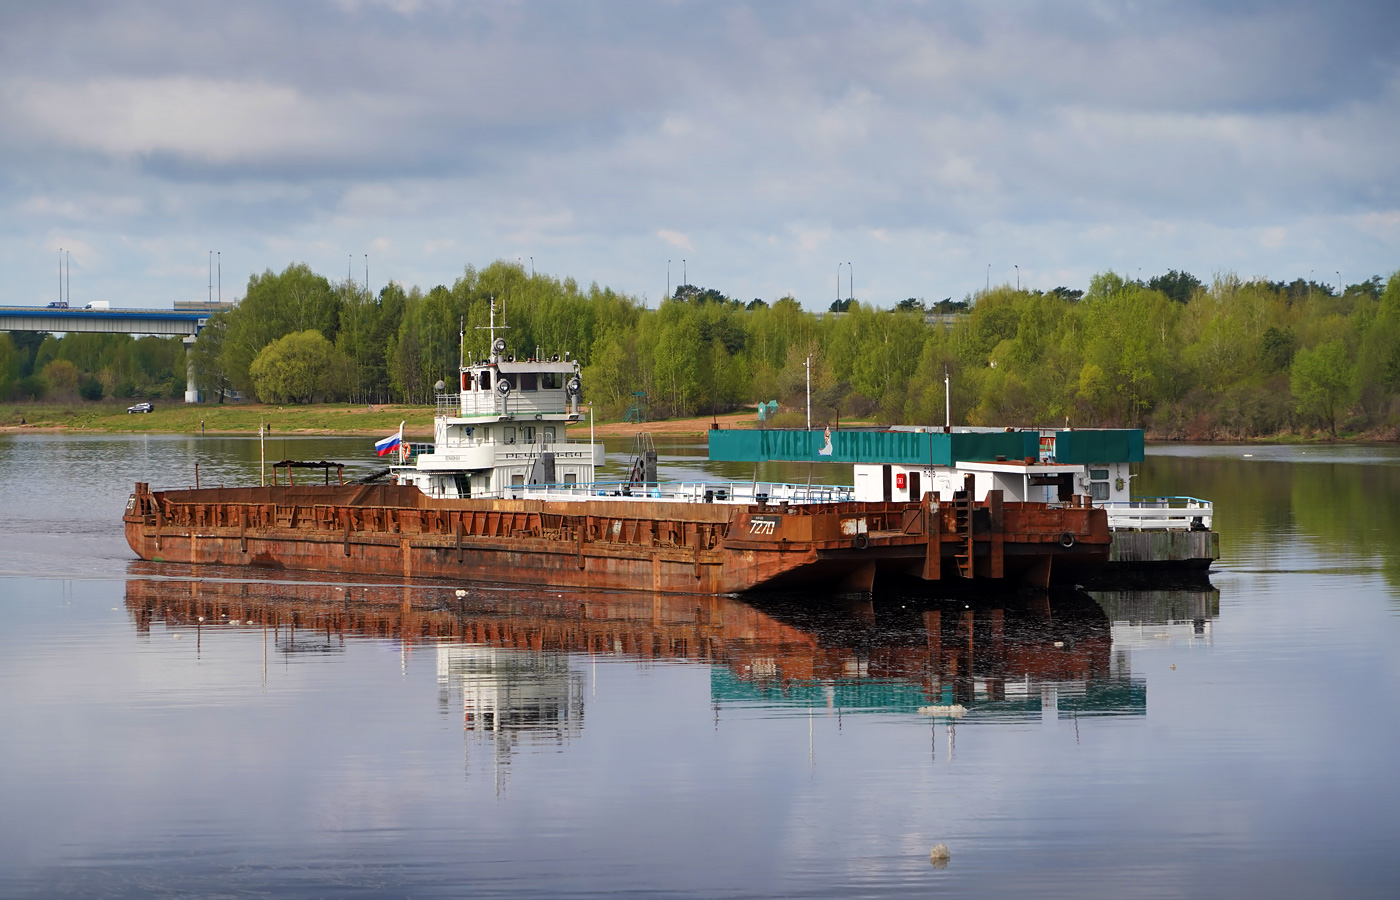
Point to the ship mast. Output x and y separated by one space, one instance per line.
491 328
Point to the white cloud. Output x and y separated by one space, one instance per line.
675 239
765 143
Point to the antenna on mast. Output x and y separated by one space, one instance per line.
498 346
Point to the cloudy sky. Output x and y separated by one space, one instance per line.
924 148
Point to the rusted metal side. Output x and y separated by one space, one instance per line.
670 547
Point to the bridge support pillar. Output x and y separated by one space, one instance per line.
191 386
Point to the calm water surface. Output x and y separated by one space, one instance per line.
170 732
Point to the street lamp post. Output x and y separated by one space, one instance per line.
1018 275
851 298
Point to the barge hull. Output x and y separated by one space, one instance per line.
688 548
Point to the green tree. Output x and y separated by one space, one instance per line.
1177 286
293 368
9 365
62 376
209 360
1323 382
274 305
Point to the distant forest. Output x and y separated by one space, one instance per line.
1182 358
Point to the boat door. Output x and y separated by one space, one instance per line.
885 482
914 493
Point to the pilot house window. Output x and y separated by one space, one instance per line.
528 381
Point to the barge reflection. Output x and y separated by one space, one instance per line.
512 659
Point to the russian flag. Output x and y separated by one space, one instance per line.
390 443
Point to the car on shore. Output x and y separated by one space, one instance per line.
141 408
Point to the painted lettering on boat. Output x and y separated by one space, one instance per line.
763 524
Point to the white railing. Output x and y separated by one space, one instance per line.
485 403
683 492
1159 513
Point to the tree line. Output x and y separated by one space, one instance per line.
39 366
1185 359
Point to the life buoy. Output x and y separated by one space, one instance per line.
1066 540
862 541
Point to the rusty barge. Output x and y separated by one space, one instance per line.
654 545
503 495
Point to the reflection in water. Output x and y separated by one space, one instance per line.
508 696
512 661
1179 616
1031 657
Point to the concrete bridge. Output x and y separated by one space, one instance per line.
187 322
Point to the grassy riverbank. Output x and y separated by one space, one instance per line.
243 418
175 417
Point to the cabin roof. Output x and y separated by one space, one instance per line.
926 448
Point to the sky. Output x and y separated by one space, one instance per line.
896 149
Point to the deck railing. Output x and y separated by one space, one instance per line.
744 493
1160 513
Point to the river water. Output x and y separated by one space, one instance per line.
167 732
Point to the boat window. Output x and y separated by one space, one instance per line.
549 435
483 381
570 478
1098 490
1098 474
528 381
508 435
527 434
551 381
517 481
466 381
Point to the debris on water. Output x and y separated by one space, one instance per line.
939 856
955 711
